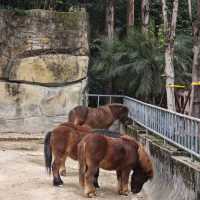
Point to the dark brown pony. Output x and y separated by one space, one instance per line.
122 154
101 117
62 143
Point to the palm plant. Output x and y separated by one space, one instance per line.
141 64
103 53
134 65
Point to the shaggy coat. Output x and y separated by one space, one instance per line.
101 117
122 154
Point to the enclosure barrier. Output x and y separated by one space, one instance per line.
178 129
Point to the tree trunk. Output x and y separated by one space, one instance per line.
169 31
110 19
169 71
198 8
110 13
131 13
145 8
190 9
195 95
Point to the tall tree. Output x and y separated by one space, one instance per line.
110 13
131 13
195 96
169 32
190 9
145 9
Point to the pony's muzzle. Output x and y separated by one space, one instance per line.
128 121
136 190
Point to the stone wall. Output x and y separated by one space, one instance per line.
43 67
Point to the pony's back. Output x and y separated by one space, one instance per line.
82 128
78 115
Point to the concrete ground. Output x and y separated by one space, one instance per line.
23 176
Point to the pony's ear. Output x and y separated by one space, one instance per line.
145 162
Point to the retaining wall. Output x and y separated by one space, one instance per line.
176 176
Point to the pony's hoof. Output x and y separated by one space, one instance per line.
91 194
123 193
63 173
57 182
60 185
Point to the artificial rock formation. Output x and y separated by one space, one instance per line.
43 67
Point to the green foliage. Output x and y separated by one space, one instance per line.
183 59
135 64
62 5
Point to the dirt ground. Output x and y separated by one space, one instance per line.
23 176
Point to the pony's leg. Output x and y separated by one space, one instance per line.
82 171
57 181
63 168
89 188
119 179
96 184
125 177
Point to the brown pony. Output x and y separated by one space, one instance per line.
101 117
62 142
122 154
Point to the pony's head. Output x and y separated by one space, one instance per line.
121 112
142 172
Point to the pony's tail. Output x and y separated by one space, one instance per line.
82 163
48 152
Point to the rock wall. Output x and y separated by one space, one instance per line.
43 67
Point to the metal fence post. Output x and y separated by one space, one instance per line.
98 101
110 99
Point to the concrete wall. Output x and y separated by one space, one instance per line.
44 59
176 176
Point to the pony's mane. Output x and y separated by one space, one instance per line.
107 132
145 161
80 111
118 110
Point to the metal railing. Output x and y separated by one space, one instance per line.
178 129
101 99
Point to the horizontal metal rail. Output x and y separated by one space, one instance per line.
178 129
